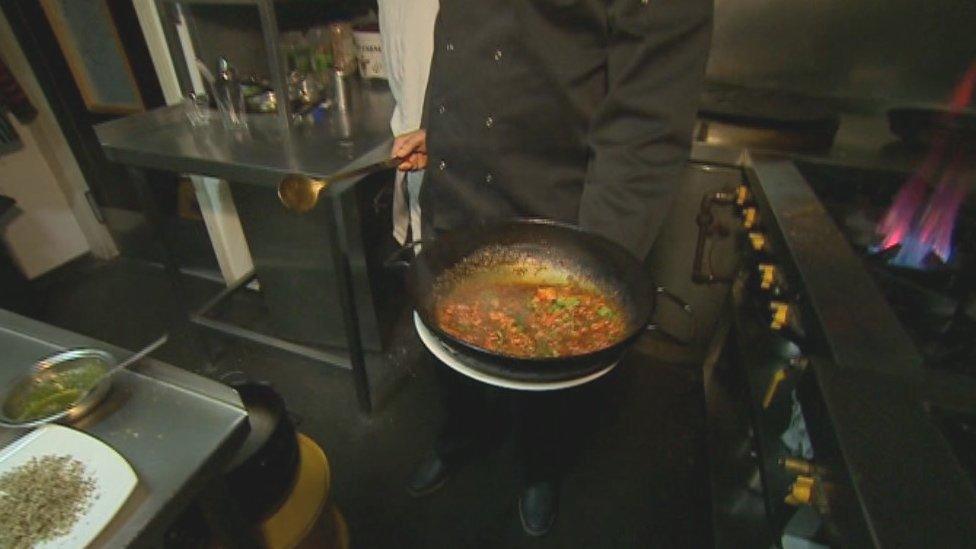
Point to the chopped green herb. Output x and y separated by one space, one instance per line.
567 302
51 394
605 312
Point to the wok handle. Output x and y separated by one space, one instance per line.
686 308
401 258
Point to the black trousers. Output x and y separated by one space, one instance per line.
548 426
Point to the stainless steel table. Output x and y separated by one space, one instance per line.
175 428
261 155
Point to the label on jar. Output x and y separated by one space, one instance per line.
369 50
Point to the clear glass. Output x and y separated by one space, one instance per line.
197 109
320 42
231 106
343 47
298 53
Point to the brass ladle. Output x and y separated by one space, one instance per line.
299 193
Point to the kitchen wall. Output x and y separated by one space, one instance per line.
46 234
57 224
235 31
230 31
884 51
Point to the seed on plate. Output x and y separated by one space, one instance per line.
42 500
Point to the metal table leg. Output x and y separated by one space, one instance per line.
202 317
350 318
171 260
344 288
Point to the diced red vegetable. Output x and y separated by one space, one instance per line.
531 320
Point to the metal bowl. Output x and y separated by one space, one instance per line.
50 366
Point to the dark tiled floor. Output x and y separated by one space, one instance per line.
639 479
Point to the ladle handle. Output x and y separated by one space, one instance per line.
140 355
365 170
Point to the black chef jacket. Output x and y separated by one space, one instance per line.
575 110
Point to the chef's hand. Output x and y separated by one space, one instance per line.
412 147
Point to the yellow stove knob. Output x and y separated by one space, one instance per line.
741 195
781 314
758 241
767 275
801 492
749 217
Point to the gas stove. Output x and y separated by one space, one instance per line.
936 302
842 399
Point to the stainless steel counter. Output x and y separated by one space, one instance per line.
175 428
264 152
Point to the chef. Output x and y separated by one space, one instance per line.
574 110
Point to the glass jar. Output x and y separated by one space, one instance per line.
343 47
320 43
297 52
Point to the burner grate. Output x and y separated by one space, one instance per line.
937 304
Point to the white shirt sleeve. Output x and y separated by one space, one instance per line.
407 30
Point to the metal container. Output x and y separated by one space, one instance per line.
341 91
54 365
229 96
343 47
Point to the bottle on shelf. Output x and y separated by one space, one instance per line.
229 96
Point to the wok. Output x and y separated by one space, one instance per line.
563 250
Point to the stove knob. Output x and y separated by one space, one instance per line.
749 217
797 466
801 492
742 195
768 276
758 241
781 314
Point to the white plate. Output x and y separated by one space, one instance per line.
455 362
114 478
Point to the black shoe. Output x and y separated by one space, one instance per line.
429 476
537 508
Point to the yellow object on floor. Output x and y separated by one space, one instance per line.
330 532
298 516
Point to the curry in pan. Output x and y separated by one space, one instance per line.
523 318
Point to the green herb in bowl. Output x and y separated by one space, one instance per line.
55 389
